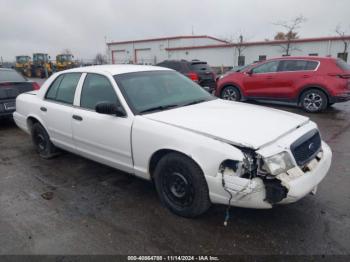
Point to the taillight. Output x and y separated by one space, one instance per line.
35 86
193 76
344 76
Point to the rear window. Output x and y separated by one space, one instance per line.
343 65
200 67
11 76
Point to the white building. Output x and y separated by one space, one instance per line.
218 53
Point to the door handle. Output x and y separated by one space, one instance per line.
44 109
78 118
269 77
306 76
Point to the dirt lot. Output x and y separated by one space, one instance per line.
70 205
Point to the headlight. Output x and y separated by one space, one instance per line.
278 164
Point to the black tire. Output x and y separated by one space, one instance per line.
181 185
231 93
313 101
42 142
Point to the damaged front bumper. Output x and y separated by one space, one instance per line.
256 192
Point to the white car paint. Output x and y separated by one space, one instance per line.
209 133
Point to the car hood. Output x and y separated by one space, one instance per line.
232 122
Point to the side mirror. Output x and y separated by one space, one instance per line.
250 72
108 108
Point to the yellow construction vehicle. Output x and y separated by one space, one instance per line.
64 61
41 66
23 65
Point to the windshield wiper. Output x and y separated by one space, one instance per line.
158 108
196 102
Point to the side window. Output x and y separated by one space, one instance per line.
63 88
311 65
268 67
297 65
51 94
292 65
97 88
66 89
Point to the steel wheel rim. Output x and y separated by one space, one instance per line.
313 102
229 94
178 189
40 141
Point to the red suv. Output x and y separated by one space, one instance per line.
312 82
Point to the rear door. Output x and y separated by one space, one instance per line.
261 82
292 73
57 109
105 138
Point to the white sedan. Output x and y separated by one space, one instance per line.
161 126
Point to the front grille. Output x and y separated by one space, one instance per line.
306 147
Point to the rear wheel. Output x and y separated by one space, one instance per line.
231 93
314 101
181 185
42 142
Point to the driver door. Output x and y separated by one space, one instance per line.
105 138
261 82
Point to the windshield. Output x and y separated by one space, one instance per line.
64 58
11 76
22 59
159 90
40 57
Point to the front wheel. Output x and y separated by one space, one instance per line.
231 93
181 185
314 101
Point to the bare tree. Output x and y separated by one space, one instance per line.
290 33
239 45
100 59
66 51
345 40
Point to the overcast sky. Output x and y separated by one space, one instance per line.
81 25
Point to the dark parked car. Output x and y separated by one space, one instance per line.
11 85
312 82
198 71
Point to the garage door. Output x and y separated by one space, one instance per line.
119 57
143 56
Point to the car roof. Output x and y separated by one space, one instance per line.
116 69
317 58
184 61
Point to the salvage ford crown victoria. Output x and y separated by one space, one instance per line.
159 125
